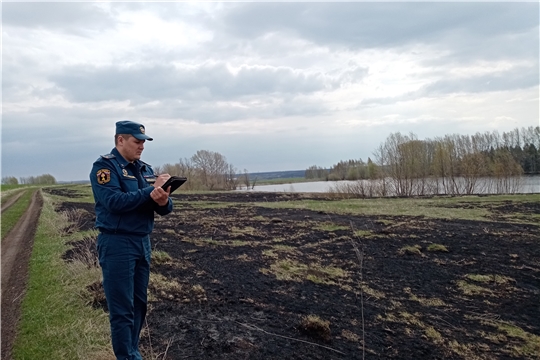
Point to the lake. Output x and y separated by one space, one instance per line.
524 184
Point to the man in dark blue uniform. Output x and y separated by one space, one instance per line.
126 193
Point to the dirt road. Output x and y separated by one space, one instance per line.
16 251
12 200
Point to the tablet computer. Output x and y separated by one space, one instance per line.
174 182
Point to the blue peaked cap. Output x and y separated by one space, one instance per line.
132 128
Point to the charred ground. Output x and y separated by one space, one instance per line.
234 279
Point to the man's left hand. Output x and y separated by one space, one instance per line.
160 196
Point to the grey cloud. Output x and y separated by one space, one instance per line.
368 25
501 81
47 125
75 18
143 84
267 107
170 11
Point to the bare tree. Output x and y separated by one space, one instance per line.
245 179
215 173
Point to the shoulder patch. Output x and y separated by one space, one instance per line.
108 156
103 176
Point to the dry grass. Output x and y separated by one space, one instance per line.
411 250
437 248
471 289
314 326
293 270
161 257
164 287
328 226
494 278
436 302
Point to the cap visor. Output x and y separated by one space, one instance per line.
143 137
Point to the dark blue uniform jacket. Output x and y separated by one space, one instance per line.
122 195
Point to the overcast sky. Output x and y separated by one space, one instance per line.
271 86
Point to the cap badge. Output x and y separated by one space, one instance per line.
142 129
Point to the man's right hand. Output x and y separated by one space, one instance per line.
161 179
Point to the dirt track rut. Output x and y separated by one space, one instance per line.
16 251
12 200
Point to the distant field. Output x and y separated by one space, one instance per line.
282 181
4 187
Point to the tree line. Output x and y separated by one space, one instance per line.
206 170
453 164
401 165
45 179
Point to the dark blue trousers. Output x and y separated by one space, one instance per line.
125 263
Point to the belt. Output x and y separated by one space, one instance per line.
115 232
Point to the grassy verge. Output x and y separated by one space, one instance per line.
282 181
7 191
56 323
14 213
5 187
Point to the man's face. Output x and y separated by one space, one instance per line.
130 148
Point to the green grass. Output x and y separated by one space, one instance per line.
282 181
5 187
328 226
8 194
14 213
56 323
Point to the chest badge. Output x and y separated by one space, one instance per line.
125 173
103 176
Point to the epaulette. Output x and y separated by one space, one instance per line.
147 164
108 156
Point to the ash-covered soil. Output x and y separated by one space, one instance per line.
231 280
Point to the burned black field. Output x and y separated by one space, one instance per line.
235 279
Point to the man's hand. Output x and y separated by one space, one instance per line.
160 196
161 179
